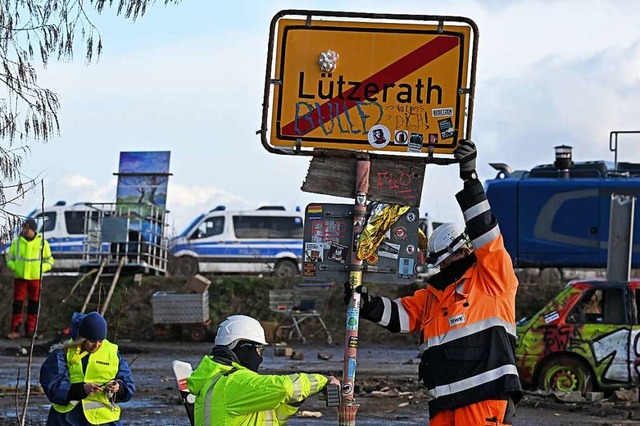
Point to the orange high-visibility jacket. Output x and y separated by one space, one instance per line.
467 327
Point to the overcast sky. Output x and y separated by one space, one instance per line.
189 79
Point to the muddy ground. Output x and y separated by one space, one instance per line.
386 387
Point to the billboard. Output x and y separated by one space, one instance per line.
142 180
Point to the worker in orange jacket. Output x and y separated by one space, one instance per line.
465 316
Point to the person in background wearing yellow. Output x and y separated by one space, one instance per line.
25 260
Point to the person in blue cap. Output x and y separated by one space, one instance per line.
85 378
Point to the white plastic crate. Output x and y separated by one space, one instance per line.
169 307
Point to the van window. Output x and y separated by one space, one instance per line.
75 222
268 227
209 228
46 222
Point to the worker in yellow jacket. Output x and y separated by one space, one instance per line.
29 257
230 391
86 378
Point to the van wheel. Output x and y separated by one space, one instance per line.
285 269
565 374
184 266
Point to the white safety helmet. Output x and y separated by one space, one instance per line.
445 240
239 327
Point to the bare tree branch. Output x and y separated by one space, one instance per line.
32 33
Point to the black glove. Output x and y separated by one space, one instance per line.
365 297
466 154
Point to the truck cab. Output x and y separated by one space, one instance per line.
551 216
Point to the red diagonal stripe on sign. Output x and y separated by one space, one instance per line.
404 66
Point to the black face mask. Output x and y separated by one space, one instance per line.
247 353
452 272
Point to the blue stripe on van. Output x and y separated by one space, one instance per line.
69 245
256 248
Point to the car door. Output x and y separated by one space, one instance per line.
634 359
250 248
206 241
603 322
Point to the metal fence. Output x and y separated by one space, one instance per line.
135 232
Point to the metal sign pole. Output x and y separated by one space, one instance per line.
620 237
348 406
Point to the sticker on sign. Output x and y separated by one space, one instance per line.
367 85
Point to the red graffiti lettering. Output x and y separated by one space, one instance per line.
400 183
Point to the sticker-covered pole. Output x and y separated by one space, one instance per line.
348 406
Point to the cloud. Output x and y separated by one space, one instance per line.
579 105
76 181
549 73
185 202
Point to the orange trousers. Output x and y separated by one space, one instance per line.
483 413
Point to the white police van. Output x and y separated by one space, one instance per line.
63 226
267 240
81 235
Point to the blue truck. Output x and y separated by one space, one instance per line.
557 215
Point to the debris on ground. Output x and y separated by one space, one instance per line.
283 351
625 395
313 414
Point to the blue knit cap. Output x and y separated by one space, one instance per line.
93 327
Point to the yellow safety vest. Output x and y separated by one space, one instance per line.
23 257
101 368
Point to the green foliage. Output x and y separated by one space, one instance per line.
244 295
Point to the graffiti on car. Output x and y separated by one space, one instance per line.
586 337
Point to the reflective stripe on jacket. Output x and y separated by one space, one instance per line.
244 397
467 329
101 368
23 257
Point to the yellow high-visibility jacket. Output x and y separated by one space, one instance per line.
23 257
101 368
244 397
